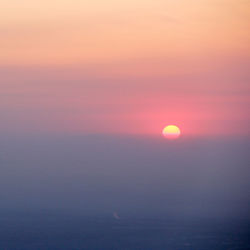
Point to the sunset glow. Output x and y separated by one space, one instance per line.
125 66
124 124
171 132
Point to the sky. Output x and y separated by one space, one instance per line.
86 88
125 67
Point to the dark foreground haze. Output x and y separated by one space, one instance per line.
116 192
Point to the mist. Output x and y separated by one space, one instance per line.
134 176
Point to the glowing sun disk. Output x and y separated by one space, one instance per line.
171 132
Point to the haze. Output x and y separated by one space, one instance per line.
128 67
86 88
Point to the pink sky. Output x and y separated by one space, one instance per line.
125 66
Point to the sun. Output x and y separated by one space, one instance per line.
171 132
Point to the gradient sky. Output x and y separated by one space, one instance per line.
125 66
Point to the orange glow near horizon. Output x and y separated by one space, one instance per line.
125 67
